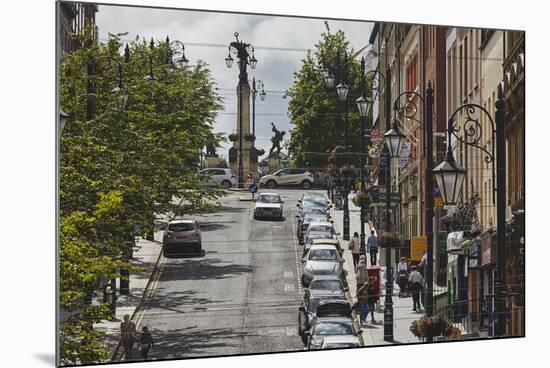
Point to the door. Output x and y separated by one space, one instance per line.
284 177
296 176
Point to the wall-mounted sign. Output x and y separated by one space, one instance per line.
419 244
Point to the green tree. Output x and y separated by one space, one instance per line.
313 107
122 168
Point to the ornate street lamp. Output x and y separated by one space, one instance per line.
450 177
342 89
178 49
362 105
394 139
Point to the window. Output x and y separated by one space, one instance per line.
182 226
298 171
322 255
266 198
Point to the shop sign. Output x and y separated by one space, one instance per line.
454 241
473 257
419 244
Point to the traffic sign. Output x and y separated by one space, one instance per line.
253 188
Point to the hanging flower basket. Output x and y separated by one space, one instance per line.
361 199
390 240
430 327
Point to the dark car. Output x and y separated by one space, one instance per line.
334 301
182 236
330 326
327 282
305 221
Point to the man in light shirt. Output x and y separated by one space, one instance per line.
415 278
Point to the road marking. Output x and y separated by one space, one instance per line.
289 275
290 287
291 331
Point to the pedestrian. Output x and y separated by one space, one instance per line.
415 279
361 271
409 265
372 244
372 298
146 341
128 336
354 246
403 266
362 299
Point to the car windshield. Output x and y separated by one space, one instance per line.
322 255
264 198
333 328
321 229
317 201
313 218
325 285
181 226
339 345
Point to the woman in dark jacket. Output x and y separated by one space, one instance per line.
372 298
146 341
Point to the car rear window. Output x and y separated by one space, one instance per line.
325 285
182 226
321 228
322 255
333 328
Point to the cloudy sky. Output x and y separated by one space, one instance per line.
280 43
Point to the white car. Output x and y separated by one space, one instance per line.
318 230
288 177
268 205
223 177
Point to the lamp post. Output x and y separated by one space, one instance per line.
363 107
342 89
449 176
245 56
256 85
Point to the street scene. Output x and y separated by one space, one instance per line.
374 193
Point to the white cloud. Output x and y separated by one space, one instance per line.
206 36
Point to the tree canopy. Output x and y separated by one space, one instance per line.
123 167
313 107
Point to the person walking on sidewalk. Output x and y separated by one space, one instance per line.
146 341
128 336
354 246
363 299
372 245
361 271
415 279
372 298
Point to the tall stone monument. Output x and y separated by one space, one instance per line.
249 151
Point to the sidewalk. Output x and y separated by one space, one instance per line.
147 256
373 334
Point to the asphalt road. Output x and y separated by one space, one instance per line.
241 297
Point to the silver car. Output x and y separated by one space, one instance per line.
268 205
182 236
321 259
318 230
342 327
340 341
220 176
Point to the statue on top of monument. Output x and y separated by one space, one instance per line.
276 140
210 149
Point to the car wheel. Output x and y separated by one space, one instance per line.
304 338
304 284
271 184
306 185
226 184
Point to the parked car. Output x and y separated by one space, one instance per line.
304 223
319 303
182 236
288 177
318 230
340 341
343 327
220 176
268 205
327 282
313 198
331 241
322 259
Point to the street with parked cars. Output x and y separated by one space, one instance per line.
237 280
